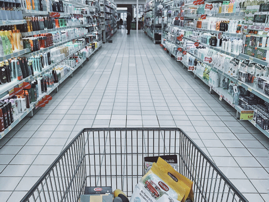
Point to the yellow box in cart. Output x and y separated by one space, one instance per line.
163 183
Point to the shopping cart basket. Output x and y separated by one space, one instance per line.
115 157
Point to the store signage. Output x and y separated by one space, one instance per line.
181 18
179 58
179 38
55 14
196 44
184 53
208 7
203 17
207 59
26 85
179 49
247 115
191 68
200 2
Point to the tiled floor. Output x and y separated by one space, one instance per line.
133 82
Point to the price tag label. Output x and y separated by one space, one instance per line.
9 128
251 58
4 22
239 83
247 115
220 97
249 89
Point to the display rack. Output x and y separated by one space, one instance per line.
153 20
185 25
89 20
50 90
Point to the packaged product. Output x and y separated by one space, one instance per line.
163 183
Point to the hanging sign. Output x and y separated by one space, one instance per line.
247 115
196 44
203 17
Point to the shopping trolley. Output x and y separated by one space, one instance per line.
115 157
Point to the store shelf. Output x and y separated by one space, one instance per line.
256 60
12 22
34 12
33 105
25 34
228 15
15 54
51 47
213 47
265 132
76 4
226 96
216 32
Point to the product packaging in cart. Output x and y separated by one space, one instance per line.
163 183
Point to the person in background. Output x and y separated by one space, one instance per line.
121 23
129 20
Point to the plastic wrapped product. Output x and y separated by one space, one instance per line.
163 183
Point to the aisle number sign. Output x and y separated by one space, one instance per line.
247 115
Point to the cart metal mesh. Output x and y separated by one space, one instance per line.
115 157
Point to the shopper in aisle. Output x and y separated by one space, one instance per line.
121 23
129 20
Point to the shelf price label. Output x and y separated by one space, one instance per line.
208 60
220 97
191 68
247 115
203 17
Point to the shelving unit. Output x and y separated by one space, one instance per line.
50 90
92 24
152 28
223 93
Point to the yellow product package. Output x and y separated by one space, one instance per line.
161 183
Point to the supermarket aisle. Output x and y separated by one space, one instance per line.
133 83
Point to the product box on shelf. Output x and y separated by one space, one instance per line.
262 53
249 50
